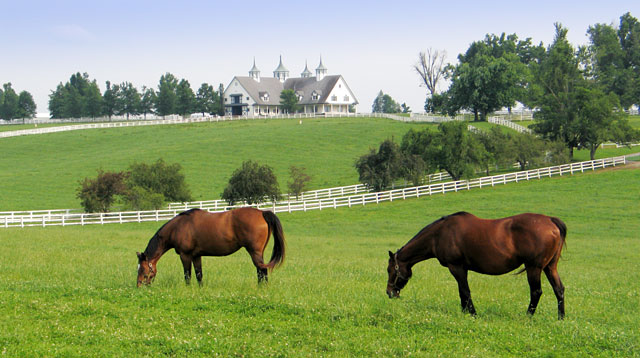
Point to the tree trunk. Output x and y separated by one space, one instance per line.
475 115
592 151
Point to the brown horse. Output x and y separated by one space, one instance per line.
463 242
196 233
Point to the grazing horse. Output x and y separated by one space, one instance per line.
463 242
196 233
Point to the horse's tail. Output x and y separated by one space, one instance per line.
563 230
277 256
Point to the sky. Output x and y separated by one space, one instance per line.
372 44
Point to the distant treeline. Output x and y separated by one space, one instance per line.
81 97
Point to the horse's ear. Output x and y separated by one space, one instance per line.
141 256
390 254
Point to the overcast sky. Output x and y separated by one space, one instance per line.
373 44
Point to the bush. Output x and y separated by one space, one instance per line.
160 178
379 169
252 183
139 198
97 195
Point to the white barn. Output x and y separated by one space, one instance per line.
254 95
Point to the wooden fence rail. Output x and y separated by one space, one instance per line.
314 204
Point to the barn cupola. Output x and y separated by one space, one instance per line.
281 72
254 72
321 71
306 73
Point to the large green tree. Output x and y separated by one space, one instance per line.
147 101
252 183
558 78
9 103
166 96
207 100
289 101
379 169
487 77
26 105
111 101
129 98
614 67
186 99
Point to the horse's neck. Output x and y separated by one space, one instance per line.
418 249
156 248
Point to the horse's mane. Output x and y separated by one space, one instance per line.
430 226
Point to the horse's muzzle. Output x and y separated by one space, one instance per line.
393 293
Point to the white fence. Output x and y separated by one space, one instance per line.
506 123
316 204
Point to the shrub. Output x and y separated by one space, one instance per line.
160 178
252 183
97 195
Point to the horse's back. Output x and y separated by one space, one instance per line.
497 246
202 233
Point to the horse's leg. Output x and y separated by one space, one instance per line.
197 265
460 274
533 276
186 264
558 288
258 262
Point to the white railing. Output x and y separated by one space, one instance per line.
506 123
316 204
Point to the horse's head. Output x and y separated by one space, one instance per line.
146 270
399 275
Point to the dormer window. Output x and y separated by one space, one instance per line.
264 96
315 96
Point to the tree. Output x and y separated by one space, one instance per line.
110 100
527 150
148 100
379 169
498 148
460 152
430 67
299 180
558 77
405 108
207 100
186 99
159 178
420 151
129 100
93 98
487 76
383 103
97 195
9 106
166 95
289 101
615 66
251 183
26 105
599 119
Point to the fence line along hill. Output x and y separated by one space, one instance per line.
62 219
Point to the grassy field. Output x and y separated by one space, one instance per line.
43 171
71 291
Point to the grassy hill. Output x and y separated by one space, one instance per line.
43 171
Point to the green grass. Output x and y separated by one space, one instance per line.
43 171
71 291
